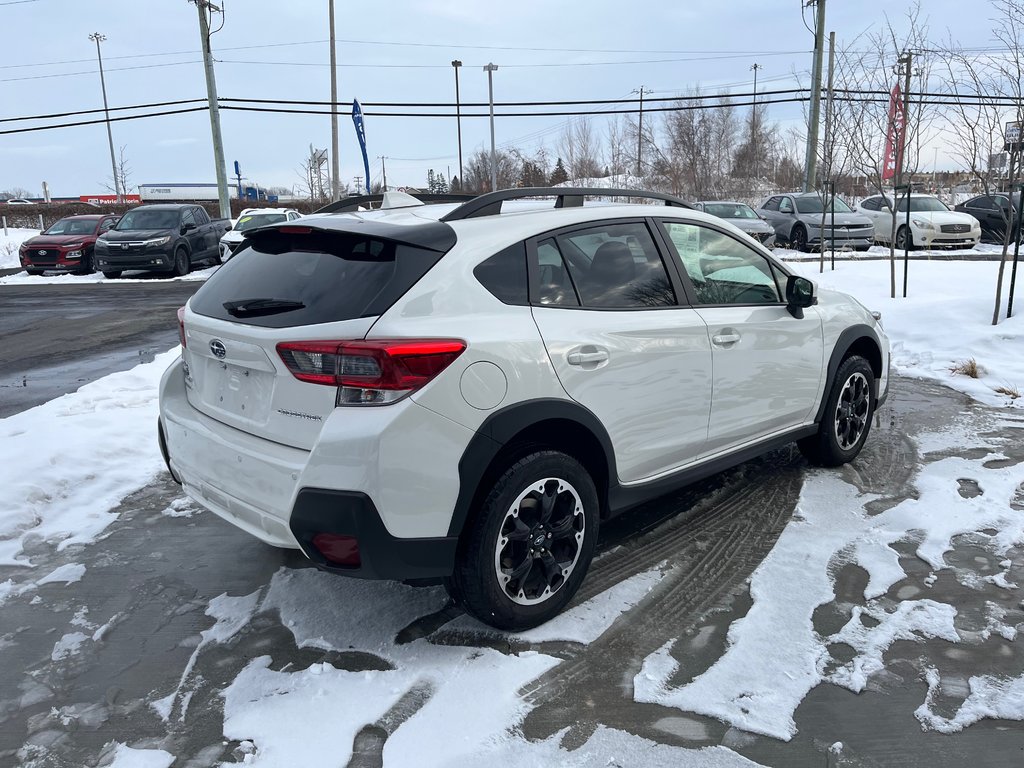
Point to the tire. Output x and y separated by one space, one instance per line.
182 263
85 268
901 239
510 533
112 274
798 238
847 419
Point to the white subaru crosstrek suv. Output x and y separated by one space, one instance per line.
465 393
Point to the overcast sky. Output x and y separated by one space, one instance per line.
395 50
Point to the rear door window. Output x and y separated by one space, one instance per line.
504 274
284 279
610 266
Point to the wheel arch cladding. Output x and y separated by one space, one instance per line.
855 340
518 430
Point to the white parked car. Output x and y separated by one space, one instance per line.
251 218
19 201
932 223
462 394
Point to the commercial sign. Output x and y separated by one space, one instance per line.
1011 137
896 139
108 198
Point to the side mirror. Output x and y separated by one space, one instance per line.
799 294
187 228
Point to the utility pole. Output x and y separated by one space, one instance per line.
489 69
829 128
640 133
383 171
458 116
98 38
335 177
753 121
211 95
811 158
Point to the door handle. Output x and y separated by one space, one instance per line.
582 358
725 338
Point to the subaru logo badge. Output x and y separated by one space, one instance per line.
218 349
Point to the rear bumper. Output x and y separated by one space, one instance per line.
375 473
381 555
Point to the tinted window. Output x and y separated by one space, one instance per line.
504 274
187 217
107 224
772 204
815 204
616 266
334 276
201 216
554 286
730 210
148 218
723 270
872 204
981 202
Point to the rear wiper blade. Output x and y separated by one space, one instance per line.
256 307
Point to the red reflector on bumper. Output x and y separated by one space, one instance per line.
338 549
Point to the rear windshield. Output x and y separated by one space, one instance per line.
283 280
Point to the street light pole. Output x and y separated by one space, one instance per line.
489 69
211 97
458 114
98 38
335 178
753 121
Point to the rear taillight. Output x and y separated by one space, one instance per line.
370 372
181 326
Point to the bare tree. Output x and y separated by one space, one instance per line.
124 173
476 175
862 121
580 150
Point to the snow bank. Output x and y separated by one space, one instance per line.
24 278
66 464
946 318
9 245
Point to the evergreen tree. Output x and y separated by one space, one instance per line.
456 185
559 175
441 183
431 181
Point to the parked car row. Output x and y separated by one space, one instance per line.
173 238
167 238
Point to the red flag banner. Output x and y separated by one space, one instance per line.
895 140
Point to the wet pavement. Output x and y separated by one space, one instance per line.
81 665
54 338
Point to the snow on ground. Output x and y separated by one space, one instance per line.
427 693
9 245
24 278
946 319
54 498
832 526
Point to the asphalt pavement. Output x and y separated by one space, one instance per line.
54 338
150 578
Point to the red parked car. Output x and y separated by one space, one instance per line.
66 246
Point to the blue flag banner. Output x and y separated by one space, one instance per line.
357 121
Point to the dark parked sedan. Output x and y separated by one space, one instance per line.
993 211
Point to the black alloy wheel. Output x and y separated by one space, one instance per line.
798 238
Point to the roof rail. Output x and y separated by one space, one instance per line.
355 202
567 197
